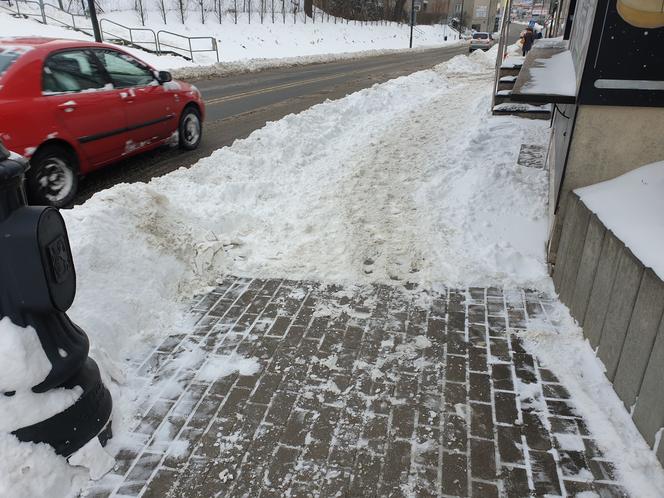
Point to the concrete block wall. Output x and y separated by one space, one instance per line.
619 302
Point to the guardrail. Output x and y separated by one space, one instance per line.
189 48
42 15
153 42
136 41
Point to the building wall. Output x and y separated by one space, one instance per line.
619 302
481 14
607 142
630 137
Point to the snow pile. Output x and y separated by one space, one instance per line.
415 181
29 470
35 471
24 365
563 350
637 220
24 362
252 65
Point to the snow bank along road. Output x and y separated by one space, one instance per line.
240 104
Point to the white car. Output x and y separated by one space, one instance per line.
481 41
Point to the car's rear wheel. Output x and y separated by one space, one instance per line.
52 179
190 129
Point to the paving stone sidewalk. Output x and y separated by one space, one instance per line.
367 391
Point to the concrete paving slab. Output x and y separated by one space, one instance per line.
600 294
641 334
649 410
362 391
619 312
592 249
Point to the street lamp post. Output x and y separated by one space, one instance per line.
93 20
412 21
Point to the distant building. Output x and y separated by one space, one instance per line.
479 15
432 10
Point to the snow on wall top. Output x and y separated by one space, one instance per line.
631 206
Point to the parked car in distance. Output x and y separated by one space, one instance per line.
481 41
72 107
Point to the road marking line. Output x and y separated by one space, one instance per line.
283 86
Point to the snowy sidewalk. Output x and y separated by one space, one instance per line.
390 382
365 391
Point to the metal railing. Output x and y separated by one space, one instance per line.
142 38
131 36
189 48
45 11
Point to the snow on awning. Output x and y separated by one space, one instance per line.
548 76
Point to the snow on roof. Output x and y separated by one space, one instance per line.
631 206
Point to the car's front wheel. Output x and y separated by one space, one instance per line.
52 179
190 129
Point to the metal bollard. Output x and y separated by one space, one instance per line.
37 287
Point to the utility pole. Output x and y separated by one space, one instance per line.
93 19
412 21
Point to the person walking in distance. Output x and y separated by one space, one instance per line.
528 39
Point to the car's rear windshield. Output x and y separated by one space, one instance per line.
8 54
480 36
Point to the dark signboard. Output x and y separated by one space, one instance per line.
624 63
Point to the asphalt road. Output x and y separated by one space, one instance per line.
239 104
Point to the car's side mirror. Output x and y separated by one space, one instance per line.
164 77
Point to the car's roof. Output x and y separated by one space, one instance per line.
43 42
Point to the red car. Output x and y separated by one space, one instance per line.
73 106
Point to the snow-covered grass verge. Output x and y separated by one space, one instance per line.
558 343
250 47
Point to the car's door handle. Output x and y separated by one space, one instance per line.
127 96
68 106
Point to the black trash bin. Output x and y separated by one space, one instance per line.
37 287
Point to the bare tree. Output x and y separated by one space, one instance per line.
182 7
140 9
161 7
203 8
218 10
